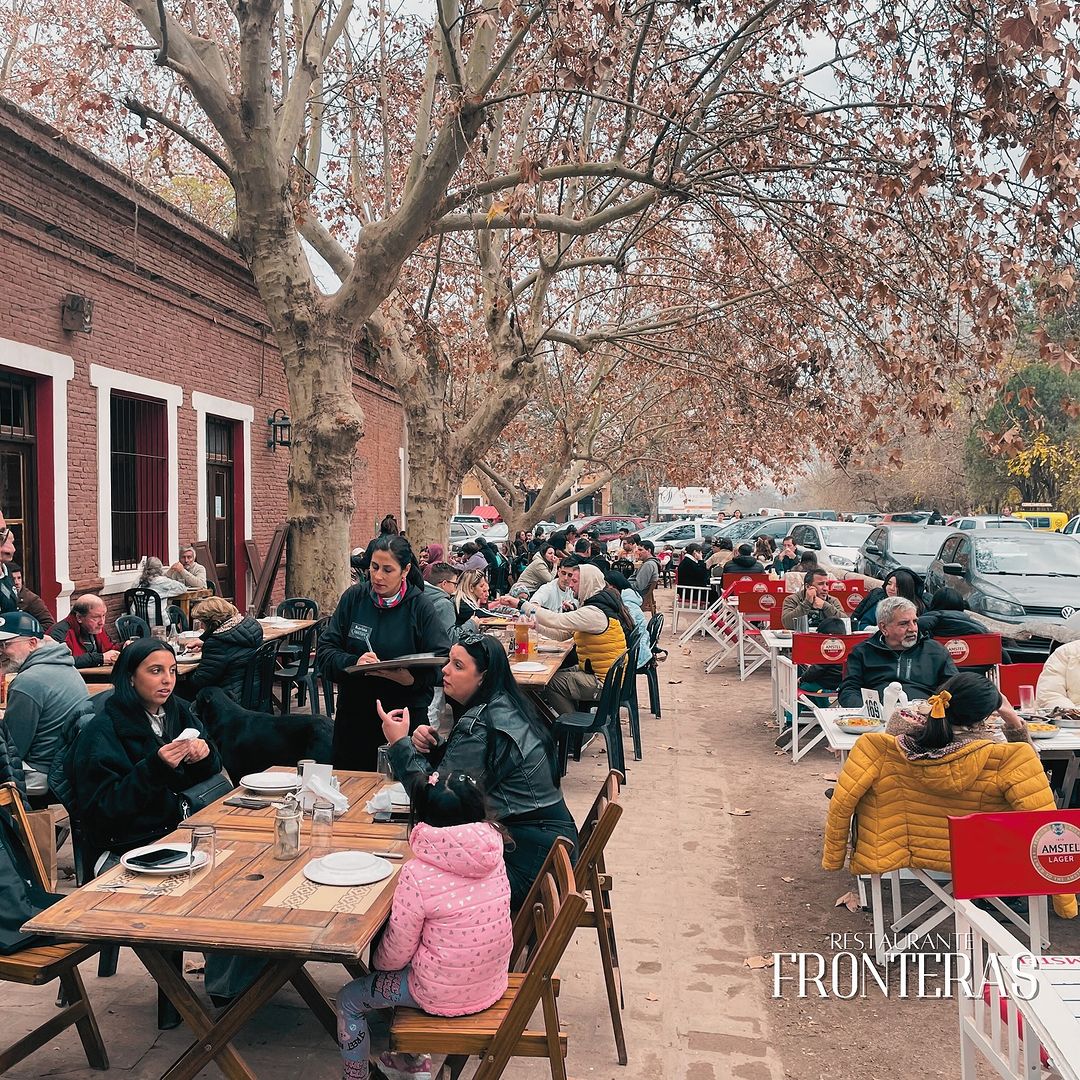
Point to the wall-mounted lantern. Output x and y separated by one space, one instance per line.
280 429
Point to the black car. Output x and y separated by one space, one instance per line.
890 547
1013 577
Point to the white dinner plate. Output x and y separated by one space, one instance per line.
270 783
398 795
361 875
179 867
528 667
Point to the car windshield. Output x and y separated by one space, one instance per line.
1026 555
845 535
916 542
1008 523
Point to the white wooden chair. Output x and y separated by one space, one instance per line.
1018 1027
693 600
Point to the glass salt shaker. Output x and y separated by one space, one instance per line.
287 829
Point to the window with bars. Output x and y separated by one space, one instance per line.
140 480
16 408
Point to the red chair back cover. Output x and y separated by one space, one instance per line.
1012 676
973 650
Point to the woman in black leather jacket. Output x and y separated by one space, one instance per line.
498 739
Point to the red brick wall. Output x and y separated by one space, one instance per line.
172 302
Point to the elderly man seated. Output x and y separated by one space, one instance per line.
188 571
812 602
83 632
896 653
46 695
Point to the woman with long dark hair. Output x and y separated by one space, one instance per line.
129 766
497 738
382 618
900 582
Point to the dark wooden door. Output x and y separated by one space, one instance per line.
219 493
17 471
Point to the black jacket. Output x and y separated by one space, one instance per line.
690 572
357 625
524 772
224 657
949 624
124 793
872 665
743 564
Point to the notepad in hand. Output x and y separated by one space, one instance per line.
412 660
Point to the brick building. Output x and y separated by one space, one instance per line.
152 429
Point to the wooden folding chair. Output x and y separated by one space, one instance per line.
39 964
593 879
542 930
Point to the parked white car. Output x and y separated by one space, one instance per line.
836 541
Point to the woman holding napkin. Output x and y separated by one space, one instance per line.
498 739
384 618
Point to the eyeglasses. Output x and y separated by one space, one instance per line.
6 535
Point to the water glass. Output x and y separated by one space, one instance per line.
322 824
159 633
1027 698
204 839
384 762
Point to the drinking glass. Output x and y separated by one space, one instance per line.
322 824
159 633
1027 698
204 838
384 762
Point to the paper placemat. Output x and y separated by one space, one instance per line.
304 895
173 885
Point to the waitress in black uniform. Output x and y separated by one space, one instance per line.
380 619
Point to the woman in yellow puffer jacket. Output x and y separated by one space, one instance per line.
903 788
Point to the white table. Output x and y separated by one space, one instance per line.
778 642
1064 746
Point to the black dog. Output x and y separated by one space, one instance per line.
252 742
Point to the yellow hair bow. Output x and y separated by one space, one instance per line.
938 704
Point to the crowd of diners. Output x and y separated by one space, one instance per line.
476 755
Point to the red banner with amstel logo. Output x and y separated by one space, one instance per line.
1018 853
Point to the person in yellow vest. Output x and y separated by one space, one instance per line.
600 627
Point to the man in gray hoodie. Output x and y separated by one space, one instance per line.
46 694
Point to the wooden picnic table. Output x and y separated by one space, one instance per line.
248 902
357 787
185 667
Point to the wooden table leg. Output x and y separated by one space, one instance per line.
214 1042
316 1001
212 1036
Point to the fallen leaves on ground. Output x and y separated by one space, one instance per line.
755 962
789 880
674 682
736 811
850 900
651 997
831 776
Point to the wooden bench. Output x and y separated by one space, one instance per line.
542 930
39 964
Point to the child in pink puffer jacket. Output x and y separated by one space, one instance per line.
447 946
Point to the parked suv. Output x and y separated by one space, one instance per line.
678 534
1013 577
838 542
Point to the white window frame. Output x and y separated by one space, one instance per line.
207 405
61 370
106 380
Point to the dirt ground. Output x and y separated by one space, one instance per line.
699 887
